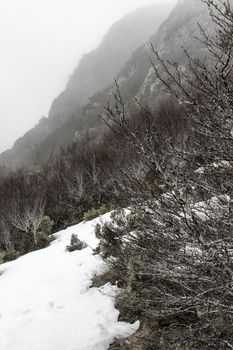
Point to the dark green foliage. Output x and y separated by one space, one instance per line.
94 213
111 233
9 256
46 225
75 215
44 240
2 255
75 244
44 232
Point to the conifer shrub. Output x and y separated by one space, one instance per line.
2 255
94 213
9 256
46 225
75 244
44 232
112 234
76 214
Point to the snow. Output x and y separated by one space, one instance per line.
47 303
192 250
224 164
215 207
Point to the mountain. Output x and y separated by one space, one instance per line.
69 121
97 69
136 78
95 72
179 30
163 256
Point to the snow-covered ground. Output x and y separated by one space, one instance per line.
46 302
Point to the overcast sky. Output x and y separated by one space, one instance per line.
41 42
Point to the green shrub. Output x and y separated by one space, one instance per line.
75 216
98 231
111 233
9 256
110 237
75 244
44 233
2 255
43 240
46 225
94 213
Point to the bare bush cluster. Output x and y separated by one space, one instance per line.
178 260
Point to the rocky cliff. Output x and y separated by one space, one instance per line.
95 72
136 79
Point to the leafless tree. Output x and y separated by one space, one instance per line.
28 218
178 260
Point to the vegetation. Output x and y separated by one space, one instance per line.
94 213
171 252
176 264
75 244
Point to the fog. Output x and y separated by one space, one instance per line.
41 43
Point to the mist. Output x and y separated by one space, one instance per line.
42 42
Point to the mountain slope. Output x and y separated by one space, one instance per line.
179 30
136 78
95 72
97 69
47 303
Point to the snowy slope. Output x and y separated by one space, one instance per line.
46 302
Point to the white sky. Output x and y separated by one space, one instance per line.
41 42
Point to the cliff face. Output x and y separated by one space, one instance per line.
97 69
95 72
136 78
179 30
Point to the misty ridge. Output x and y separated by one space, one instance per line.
95 72
116 210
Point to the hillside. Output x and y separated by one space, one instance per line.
95 72
136 79
55 307
169 161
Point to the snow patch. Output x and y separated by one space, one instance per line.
46 301
215 207
224 164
